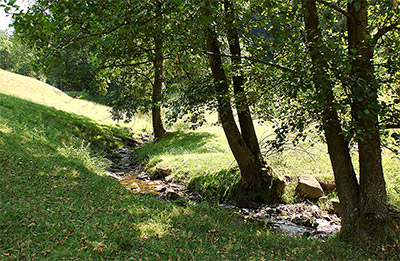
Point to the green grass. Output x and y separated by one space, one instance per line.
85 95
36 91
56 203
201 160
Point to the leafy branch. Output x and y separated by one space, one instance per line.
384 30
253 60
334 7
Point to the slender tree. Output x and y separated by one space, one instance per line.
254 177
244 115
123 34
338 146
337 81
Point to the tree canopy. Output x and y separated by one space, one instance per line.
329 66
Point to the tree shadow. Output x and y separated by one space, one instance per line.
177 143
209 184
54 206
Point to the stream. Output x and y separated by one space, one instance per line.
299 219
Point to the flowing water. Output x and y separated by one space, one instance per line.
300 219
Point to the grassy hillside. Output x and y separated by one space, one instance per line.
36 91
201 159
55 203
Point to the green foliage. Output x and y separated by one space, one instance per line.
74 71
96 41
190 99
293 98
16 57
130 92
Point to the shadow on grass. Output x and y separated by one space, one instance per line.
43 120
177 143
209 184
85 95
53 206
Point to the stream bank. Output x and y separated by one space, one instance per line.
299 219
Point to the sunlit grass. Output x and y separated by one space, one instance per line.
55 203
202 159
36 91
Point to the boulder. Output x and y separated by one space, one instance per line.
336 206
162 172
309 187
327 185
172 195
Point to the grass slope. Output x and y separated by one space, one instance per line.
36 91
55 203
201 159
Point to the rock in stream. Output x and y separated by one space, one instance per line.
288 219
300 219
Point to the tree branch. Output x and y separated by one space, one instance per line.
384 30
334 7
123 65
392 126
144 75
253 60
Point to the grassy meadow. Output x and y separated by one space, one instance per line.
36 91
56 202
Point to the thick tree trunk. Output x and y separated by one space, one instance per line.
338 147
244 115
250 165
158 61
374 219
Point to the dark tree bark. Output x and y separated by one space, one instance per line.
363 206
242 107
338 147
250 165
158 61
374 219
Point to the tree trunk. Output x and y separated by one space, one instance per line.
374 219
252 177
338 147
158 61
244 115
